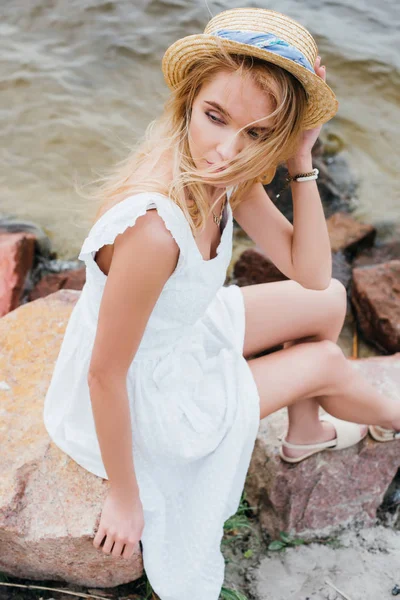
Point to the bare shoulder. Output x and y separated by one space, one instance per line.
153 224
149 239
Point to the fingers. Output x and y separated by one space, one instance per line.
118 546
320 70
112 546
98 538
129 550
108 544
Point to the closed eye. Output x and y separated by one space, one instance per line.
214 119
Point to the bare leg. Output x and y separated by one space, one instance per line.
320 369
286 312
304 425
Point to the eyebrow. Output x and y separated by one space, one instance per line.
225 112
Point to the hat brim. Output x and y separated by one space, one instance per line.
322 104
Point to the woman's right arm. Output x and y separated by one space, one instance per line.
144 257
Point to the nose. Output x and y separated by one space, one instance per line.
229 147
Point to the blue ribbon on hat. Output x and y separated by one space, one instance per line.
266 41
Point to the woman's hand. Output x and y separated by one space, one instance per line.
310 136
122 523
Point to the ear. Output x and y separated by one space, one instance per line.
267 177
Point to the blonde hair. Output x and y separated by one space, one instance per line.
167 135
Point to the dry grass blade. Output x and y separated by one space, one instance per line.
355 341
40 587
345 596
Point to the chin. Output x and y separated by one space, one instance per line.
220 185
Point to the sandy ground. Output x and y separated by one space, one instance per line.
363 565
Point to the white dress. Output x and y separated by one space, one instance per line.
193 400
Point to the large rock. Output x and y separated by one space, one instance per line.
378 254
17 251
348 234
49 506
72 279
329 490
252 266
376 299
336 184
13 224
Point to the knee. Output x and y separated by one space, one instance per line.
332 353
338 295
329 361
336 287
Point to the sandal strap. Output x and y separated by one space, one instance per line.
320 445
390 434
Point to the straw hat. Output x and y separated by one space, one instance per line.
263 33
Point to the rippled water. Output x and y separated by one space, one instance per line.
81 79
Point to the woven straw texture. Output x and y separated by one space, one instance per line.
182 54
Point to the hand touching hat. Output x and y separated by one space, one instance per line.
268 35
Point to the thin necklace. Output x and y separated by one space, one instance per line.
217 220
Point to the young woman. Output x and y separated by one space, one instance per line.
153 388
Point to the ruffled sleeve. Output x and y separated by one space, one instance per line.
123 215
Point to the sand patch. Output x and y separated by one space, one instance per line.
365 566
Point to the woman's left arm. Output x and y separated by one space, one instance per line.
311 249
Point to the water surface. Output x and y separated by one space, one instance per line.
81 79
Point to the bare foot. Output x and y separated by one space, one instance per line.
325 433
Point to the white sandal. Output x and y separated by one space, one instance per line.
380 434
347 434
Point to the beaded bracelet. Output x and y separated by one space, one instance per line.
299 177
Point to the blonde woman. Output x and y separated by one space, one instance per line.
153 388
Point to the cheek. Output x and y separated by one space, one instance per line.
197 132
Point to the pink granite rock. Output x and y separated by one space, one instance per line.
346 233
17 252
329 490
376 299
378 254
254 267
71 279
49 506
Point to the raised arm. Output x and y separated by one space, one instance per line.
144 258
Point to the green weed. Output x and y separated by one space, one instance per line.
286 541
228 594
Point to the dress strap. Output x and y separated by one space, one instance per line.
124 214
